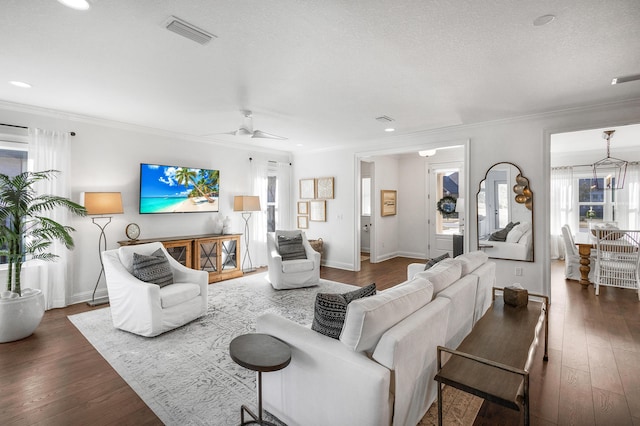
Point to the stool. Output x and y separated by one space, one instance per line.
261 353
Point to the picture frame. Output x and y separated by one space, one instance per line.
303 222
318 211
308 188
324 188
303 207
388 202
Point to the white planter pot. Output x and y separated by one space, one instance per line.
21 316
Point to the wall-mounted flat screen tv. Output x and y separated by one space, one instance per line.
174 189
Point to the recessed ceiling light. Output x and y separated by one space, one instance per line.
427 153
21 84
76 4
543 20
299 144
389 129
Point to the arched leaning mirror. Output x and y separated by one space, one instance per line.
505 214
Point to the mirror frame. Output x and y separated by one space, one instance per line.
522 195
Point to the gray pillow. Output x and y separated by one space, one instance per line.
154 269
501 235
291 248
435 260
331 310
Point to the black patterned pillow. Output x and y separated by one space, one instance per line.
291 248
331 309
435 260
501 235
153 269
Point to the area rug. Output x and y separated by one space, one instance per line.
187 377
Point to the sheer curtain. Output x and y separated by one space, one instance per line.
50 149
561 205
259 183
629 199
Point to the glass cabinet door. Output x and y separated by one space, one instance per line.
208 255
229 253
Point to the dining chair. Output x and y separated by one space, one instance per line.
618 259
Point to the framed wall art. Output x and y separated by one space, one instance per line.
308 188
318 211
324 188
388 202
303 222
303 207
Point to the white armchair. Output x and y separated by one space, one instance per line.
147 309
287 274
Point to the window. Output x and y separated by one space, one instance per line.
12 163
447 185
272 192
595 204
366 197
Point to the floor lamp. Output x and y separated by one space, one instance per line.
102 204
246 204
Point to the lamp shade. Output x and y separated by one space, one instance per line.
246 203
103 202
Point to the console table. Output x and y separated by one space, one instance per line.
493 361
217 254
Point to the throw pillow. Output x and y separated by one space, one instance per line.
435 260
501 235
153 269
291 248
331 309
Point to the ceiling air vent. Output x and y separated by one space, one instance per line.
189 31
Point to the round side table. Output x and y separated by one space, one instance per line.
261 353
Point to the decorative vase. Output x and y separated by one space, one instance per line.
226 225
20 316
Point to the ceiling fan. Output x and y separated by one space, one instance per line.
246 129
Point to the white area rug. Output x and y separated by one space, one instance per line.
186 376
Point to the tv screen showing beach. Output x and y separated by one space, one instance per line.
172 189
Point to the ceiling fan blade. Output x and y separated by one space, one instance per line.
265 135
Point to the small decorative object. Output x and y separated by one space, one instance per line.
590 214
318 211
324 188
132 231
226 225
523 192
218 225
303 222
515 295
308 188
447 206
303 207
388 202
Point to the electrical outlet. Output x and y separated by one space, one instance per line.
518 271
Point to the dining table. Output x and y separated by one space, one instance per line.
585 242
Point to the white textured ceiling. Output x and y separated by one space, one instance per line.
318 72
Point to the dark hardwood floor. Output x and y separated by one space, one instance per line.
55 377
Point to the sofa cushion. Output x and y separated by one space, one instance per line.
331 309
153 269
176 294
297 265
443 274
367 319
435 260
291 248
472 261
501 235
518 231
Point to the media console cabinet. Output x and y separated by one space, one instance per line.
493 361
217 254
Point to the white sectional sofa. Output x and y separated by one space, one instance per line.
381 370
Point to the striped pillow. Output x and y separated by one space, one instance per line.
291 248
154 269
331 310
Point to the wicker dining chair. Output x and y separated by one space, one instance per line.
618 259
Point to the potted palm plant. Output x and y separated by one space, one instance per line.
26 234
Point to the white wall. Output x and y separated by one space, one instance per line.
106 157
386 228
523 141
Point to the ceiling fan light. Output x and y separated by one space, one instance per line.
76 4
243 132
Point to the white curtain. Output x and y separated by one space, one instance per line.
561 206
48 150
258 225
628 203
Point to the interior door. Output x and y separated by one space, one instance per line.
444 180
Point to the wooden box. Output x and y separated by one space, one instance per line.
516 296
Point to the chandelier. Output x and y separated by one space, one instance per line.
610 172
